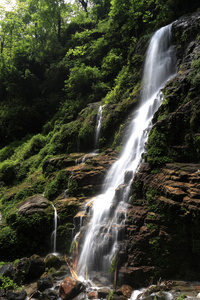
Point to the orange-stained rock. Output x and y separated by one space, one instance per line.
70 288
93 295
126 290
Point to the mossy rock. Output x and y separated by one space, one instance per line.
30 228
64 237
52 261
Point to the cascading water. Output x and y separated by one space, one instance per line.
54 233
102 239
98 127
96 138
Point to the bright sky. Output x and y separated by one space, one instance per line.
7 3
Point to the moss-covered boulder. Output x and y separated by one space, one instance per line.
29 229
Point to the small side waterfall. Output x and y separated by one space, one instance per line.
98 127
54 233
103 239
96 138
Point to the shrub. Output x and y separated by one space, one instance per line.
86 137
82 81
7 283
32 147
65 140
112 63
8 171
64 237
8 244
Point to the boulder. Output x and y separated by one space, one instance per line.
32 205
49 294
70 288
103 292
21 270
52 261
126 290
93 295
45 283
16 295
37 266
7 271
28 268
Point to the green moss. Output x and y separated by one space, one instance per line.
158 152
152 200
86 137
8 171
73 188
116 119
57 185
64 237
194 77
68 210
9 248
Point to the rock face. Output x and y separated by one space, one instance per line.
164 224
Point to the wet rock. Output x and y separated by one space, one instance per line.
49 294
21 270
82 296
128 176
103 292
52 261
45 283
119 192
7 271
99 280
2 295
31 290
28 269
93 295
126 290
37 267
70 288
135 276
16 295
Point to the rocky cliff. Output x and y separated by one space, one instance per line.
163 223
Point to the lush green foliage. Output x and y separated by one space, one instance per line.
54 53
7 284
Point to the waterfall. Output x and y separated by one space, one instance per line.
103 238
54 233
68 184
98 127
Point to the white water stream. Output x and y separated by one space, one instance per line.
54 233
98 127
102 239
